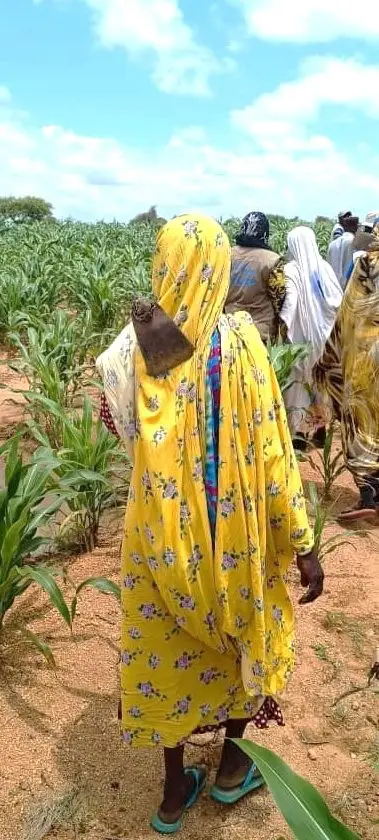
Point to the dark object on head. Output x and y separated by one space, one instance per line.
254 231
349 222
162 344
364 240
344 214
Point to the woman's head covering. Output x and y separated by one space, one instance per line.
340 255
371 220
191 274
254 231
336 232
310 311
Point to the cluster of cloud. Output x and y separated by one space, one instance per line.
181 65
310 21
290 111
273 162
157 29
277 157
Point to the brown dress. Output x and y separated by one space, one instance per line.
257 286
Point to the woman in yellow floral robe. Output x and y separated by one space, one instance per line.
349 373
207 623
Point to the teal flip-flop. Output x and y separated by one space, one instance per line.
253 781
200 778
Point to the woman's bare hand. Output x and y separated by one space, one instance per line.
312 576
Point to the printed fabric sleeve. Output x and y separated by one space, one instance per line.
289 306
276 288
302 536
117 368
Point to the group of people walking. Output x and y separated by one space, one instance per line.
332 306
216 510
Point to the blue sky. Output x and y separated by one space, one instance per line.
109 106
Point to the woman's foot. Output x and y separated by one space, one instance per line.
319 437
234 767
367 507
300 442
177 797
237 776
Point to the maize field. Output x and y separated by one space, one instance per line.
66 290
92 271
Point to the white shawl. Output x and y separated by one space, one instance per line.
313 297
117 368
340 255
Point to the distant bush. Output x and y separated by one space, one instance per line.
150 216
26 209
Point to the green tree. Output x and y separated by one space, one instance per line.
26 209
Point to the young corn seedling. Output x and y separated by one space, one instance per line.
328 464
89 463
29 501
322 517
284 357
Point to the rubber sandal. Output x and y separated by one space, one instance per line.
200 778
355 514
252 781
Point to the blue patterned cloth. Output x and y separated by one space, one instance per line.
212 424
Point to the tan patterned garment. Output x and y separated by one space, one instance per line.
349 368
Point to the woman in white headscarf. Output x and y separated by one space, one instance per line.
340 255
313 298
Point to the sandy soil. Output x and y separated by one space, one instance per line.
60 752
11 404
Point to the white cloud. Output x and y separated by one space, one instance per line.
5 95
157 28
283 118
311 21
99 177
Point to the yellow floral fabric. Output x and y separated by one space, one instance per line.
349 368
206 635
276 288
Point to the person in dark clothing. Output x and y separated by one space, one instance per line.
257 283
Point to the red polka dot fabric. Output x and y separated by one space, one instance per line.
269 712
106 416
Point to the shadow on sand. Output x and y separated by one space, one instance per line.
122 787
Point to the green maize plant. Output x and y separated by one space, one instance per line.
89 465
29 502
14 304
323 231
23 512
61 342
328 464
54 357
322 517
92 270
301 805
283 358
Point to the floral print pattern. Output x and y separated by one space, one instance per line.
207 627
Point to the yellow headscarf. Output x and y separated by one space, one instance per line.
234 595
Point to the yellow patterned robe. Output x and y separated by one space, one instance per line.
206 635
349 368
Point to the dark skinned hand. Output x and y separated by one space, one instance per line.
312 576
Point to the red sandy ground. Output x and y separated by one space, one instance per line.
59 732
